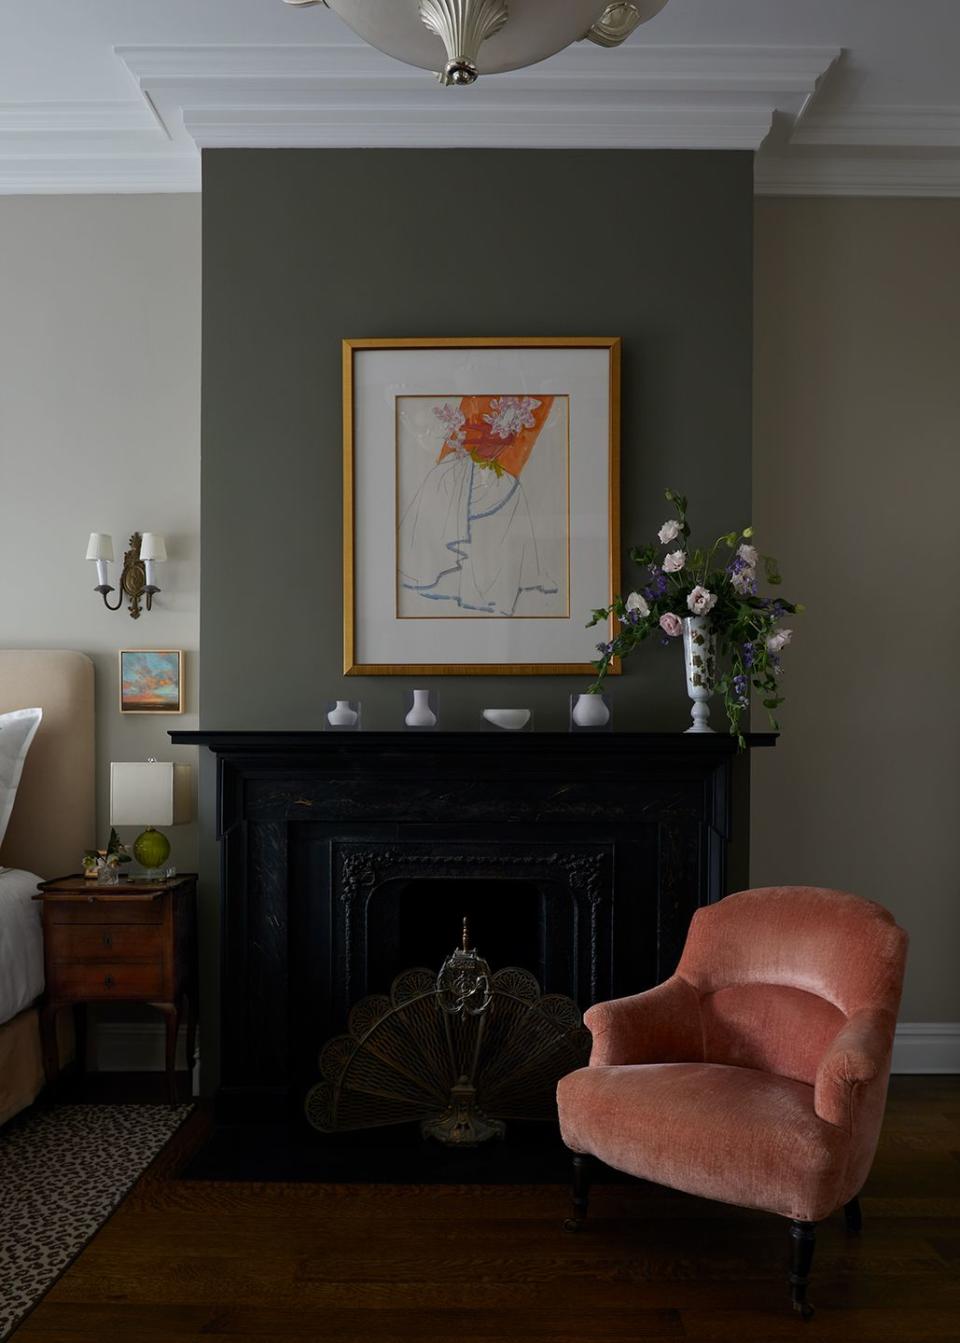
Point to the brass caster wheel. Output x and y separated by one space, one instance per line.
573 1224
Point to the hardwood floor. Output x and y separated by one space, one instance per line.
185 1261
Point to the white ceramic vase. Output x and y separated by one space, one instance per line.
342 715
700 658
591 711
421 715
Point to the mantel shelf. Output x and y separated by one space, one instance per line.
227 742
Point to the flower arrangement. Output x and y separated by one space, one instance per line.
682 582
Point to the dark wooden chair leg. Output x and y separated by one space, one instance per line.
853 1216
581 1193
802 1241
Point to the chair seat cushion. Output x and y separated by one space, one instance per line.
732 1134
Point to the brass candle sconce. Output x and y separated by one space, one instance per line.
137 577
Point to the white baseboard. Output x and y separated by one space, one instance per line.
927 1047
135 1047
118 1046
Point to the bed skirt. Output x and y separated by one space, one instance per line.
21 1059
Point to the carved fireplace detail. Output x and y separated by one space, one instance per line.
340 853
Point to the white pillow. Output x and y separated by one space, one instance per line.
17 731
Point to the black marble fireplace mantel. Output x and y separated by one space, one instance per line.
331 842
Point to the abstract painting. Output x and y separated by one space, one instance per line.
151 680
483 525
481 501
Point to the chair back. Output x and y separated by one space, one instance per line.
780 969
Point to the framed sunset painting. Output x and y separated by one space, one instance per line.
151 680
481 503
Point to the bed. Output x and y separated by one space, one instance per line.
53 821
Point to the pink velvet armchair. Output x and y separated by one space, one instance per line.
757 1074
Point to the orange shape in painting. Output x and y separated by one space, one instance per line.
481 442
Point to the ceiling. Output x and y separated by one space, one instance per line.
837 97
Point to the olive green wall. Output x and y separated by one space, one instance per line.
304 247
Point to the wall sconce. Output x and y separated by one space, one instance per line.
137 578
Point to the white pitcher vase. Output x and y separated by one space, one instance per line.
420 714
700 659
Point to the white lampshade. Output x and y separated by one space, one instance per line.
149 792
152 546
100 546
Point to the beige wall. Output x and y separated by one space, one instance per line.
100 431
856 489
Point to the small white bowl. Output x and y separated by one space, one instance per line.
512 720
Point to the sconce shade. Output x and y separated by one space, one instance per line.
100 546
149 792
153 546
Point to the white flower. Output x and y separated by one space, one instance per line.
749 555
636 603
510 414
674 562
701 601
778 641
742 580
669 531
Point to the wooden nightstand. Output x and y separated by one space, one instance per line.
132 943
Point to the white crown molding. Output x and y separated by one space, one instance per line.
884 127
865 174
638 96
352 96
927 1047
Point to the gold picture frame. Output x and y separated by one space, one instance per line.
143 667
353 349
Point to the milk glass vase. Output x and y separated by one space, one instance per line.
421 713
700 659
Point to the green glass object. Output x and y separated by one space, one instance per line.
151 849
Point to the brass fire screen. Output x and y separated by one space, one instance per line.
461 1054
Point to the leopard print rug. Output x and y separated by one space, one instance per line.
63 1170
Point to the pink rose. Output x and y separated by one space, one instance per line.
674 562
671 624
669 531
778 641
701 601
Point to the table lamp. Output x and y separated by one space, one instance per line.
150 793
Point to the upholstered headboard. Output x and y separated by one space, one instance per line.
54 818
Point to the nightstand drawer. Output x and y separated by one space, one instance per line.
103 910
106 979
104 942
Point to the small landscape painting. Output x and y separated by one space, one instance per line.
151 680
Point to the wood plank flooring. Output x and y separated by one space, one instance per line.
184 1261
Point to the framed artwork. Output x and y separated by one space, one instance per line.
481 503
151 680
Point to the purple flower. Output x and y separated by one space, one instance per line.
606 649
749 654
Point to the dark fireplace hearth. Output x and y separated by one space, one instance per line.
348 858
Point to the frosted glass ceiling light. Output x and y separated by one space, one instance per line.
485 37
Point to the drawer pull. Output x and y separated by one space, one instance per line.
107 940
109 981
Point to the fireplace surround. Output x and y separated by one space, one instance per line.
345 858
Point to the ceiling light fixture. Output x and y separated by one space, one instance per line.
486 37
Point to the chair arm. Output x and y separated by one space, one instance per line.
660 1026
857 1057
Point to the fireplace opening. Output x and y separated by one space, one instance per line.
413 922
